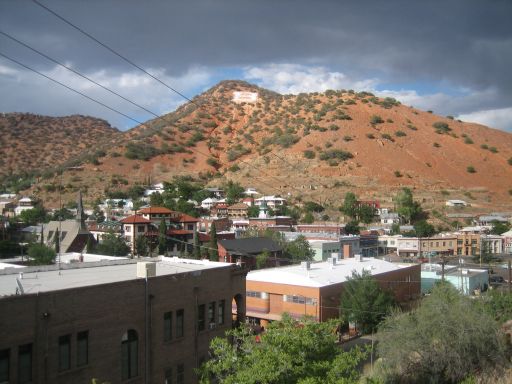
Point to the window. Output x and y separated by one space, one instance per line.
4 365
64 352
128 228
211 313
299 299
82 348
168 376
253 294
200 317
180 374
25 364
180 317
220 312
167 326
141 228
129 355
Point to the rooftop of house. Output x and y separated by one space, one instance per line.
322 274
135 219
452 270
155 211
76 275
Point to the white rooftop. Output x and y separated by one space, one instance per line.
323 273
50 278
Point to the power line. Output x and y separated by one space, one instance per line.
111 50
104 45
78 73
71 89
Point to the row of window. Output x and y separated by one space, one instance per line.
215 315
298 299
24 364
425 244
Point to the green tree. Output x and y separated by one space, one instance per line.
261 259
62 214
407 207
98 214
253 211
395 229
364 303
311 206
308 218
112 245
197 246
423 229
352 227
213 251
287 352
366 213
234 192
299 249
141 246
162 238
499 228
485 256
349 207
446 339
40 254
33 216
498 304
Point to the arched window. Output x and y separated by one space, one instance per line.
129 355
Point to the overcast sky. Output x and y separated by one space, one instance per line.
452 57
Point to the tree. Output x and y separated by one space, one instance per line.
395 229
364 303
349 207
261 259
366 213
352 228
299 249
287 352
423 229
407 207
445 340
234 192
162 238
62 214
197 246
33 216
499 228
40 254
113 245
98 214
141 246
498 304
253 211
311 206
213 251
485 256
308 218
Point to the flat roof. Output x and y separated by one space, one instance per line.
36 280
323 273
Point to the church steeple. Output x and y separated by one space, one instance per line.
80 215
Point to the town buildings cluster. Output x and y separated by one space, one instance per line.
150 319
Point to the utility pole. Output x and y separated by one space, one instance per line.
509 277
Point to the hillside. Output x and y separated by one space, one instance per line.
33 142
315 146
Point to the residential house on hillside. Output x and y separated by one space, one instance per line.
456 203
390 218
24 204
100 230
175 219
134 227
7 208
315 289
270 201
321 228
209 202
245 251
489 220
238 211
507 242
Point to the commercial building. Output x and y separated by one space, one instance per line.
467 280
125 323
315 289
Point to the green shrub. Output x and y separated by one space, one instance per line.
509 161
484 146
212 162
370 136
387 136
397 174
335 154
140 151
333 127
309 154
412 127
400 134
236 152
441 127
347 138
436 145
376 119
493 149
468 140
471 169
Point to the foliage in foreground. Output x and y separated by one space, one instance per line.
365 303
445 340
287 352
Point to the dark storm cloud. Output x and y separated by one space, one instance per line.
464 44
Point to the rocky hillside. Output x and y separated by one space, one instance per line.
36 143
316 145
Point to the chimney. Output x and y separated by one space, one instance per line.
146 269
305 265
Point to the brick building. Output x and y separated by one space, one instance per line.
315 289
69 324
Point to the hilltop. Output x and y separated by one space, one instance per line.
315 146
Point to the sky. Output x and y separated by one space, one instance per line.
453 57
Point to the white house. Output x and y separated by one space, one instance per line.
24 204
389 218
456 203
209 202
507 241
156 188
270 201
